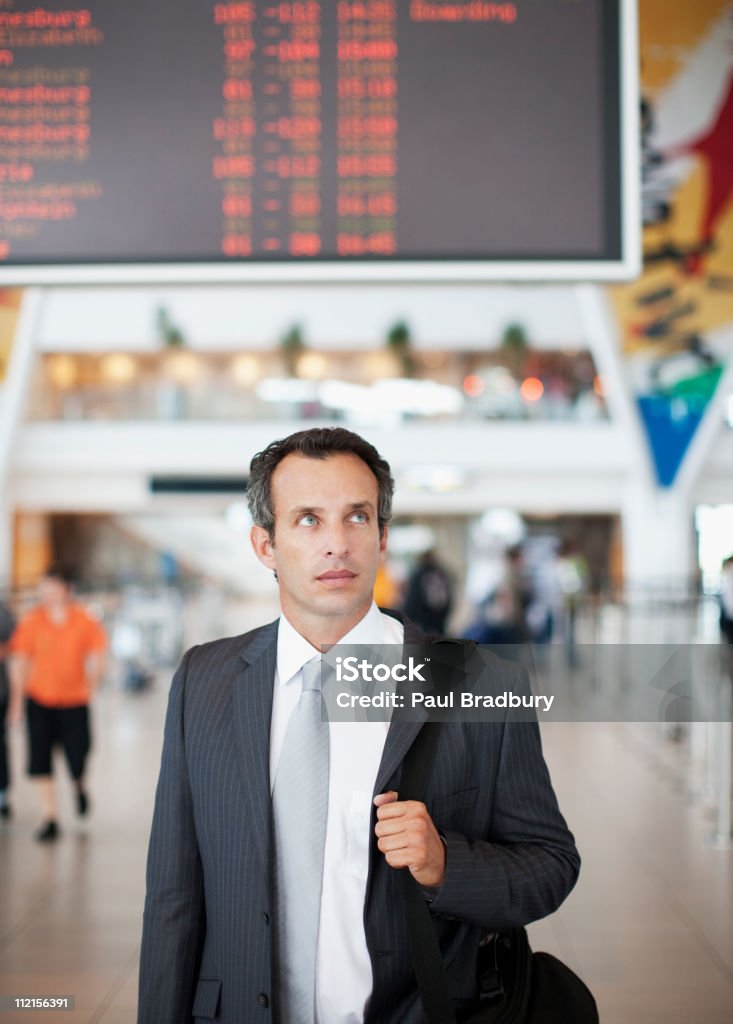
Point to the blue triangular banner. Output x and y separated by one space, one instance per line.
671 422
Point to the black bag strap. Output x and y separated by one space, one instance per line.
427 960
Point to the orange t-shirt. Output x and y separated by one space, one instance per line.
57 653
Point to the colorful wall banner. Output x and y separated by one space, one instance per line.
674 315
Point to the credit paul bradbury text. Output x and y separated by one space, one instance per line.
449 700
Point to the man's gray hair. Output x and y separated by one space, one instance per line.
316 443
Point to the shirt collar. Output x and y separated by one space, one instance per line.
293 650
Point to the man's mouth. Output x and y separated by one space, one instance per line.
334 575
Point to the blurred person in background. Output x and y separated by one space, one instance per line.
726 613
57 663
572 571
518 594
429 597
547 599
503 612
7 625
726 600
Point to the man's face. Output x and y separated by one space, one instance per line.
327 546
52 592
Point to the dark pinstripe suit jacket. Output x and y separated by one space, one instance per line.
206 934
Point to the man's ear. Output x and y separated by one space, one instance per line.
383 543
263 546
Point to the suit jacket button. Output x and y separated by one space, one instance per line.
265 917
263 1000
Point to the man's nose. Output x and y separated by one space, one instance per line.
337 545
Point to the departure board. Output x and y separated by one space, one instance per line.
263 134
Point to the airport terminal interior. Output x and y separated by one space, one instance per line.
559 427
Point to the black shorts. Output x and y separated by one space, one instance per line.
47 727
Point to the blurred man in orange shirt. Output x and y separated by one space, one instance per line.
57 662
7 625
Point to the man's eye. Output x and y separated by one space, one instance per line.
307 520
360 517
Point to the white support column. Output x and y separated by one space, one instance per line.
658 536
657 531
13 392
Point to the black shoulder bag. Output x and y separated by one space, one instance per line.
514 985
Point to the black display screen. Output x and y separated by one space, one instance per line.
249 132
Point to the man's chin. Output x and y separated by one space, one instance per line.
341 602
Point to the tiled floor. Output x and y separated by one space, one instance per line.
649 926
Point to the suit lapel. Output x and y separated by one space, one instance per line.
400 738
402 733
252 715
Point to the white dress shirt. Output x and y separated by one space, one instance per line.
343 967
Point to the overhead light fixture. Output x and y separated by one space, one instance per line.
63 371
381 365
118 368
473 386
246 370
182 367
311 366
532 389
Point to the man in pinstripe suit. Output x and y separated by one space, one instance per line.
488 845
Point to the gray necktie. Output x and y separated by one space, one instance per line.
300 810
